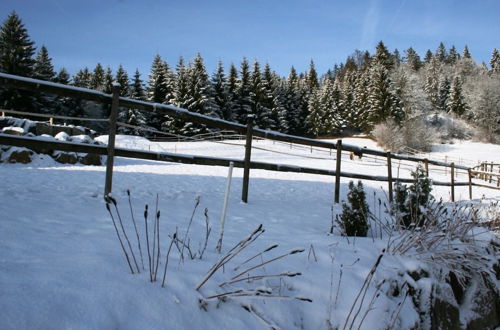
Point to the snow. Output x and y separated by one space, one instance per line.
61 265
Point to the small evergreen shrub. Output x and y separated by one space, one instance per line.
355 213
410 203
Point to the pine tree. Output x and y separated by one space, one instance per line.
453 56
312 78
274 90
428 56
495 61
291 103
97 81
121 77
355 213
431 86
133 116
219 85
412 59
383 57
16 57
444 93
441 54
82 78
244 93
157 89
107 86
381 101
456 102
360 115
63 77
16 48
315 118
43 68
232 104
466 53
257 96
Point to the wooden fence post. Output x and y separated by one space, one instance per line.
453 182
426 164
337 171
389 175
248 154
111 140
491 176
470 184
498 177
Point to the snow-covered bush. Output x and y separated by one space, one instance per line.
450 127
388 135
354 217
411 203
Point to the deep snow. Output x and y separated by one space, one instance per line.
61 265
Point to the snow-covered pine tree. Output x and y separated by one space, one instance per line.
412 59
220 93
441 54
291 103
383 56
456 103
316 118
428 56
157 89
232 104
355 213
453 56
244 93
381 101
444 93
133 116
62 77
312 80
466 53
16 57
432 73
495 61
273 97
259 107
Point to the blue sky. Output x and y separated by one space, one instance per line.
281 32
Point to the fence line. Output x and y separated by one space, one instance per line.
116 101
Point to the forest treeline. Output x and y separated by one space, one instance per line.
354 96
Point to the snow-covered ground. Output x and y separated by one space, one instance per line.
62 267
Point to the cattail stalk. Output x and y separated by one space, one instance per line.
135 227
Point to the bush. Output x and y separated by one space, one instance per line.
410 203
354 217
412 134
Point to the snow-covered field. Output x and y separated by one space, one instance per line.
62 267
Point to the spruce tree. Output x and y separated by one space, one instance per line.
82 78
63 77
444 93
43 68
220 93
312 78
291 103
107 86
456 103
355 213
97 79
453 56
495 61
428 56
16 57
232 105
441 54
121 77
412 59
383 57
16 48
315 118
133 116
466 53
244 93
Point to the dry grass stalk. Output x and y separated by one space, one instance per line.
231 254
260 277
135 227
166 259
256 256
123 230
197 202
119 238
147 242
208 230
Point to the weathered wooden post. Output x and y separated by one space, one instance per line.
111 140
491 175
470 184
337 171
498 177
426 164
248 154
389 175
452 181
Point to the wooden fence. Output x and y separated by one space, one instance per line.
249 130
